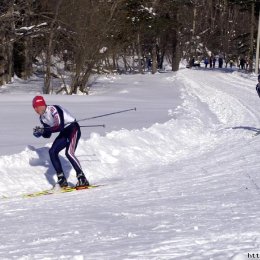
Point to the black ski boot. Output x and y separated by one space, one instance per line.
82 180
62 180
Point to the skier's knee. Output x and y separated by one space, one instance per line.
52 152
67 154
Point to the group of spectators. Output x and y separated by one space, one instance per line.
213 61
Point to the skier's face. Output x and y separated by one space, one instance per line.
40 110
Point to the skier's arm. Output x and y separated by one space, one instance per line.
58 122
58 118
46 130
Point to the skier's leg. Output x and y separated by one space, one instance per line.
58 145
70 153
71 148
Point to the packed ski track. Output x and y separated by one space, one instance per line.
181 175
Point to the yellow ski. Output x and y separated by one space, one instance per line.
58 191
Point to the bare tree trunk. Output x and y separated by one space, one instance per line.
2 67
10 70
23 46
139 51
124 60
154 59
194 20
175 52
223 19
133 57
27 66
6 71
10 67
76 78
49 52
251 50
6 46
176 55
114 61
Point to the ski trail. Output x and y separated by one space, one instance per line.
225 99
230 111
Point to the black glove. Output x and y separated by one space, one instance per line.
38 131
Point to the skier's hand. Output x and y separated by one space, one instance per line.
38 131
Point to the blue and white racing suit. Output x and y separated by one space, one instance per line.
58 119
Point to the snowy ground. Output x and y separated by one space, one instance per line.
181 174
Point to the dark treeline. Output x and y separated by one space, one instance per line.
102 36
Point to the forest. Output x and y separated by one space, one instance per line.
71 40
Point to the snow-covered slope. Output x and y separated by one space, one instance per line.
181 174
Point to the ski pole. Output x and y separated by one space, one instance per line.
93 117
80 126
92 126
108 114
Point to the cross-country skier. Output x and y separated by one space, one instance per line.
258 86
54 118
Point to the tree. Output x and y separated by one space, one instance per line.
6 39
88 36
87 29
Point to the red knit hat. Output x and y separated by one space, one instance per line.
38 101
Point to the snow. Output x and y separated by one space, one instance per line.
180 174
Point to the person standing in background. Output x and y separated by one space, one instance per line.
258 86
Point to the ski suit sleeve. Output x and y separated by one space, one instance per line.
46 133
58 119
